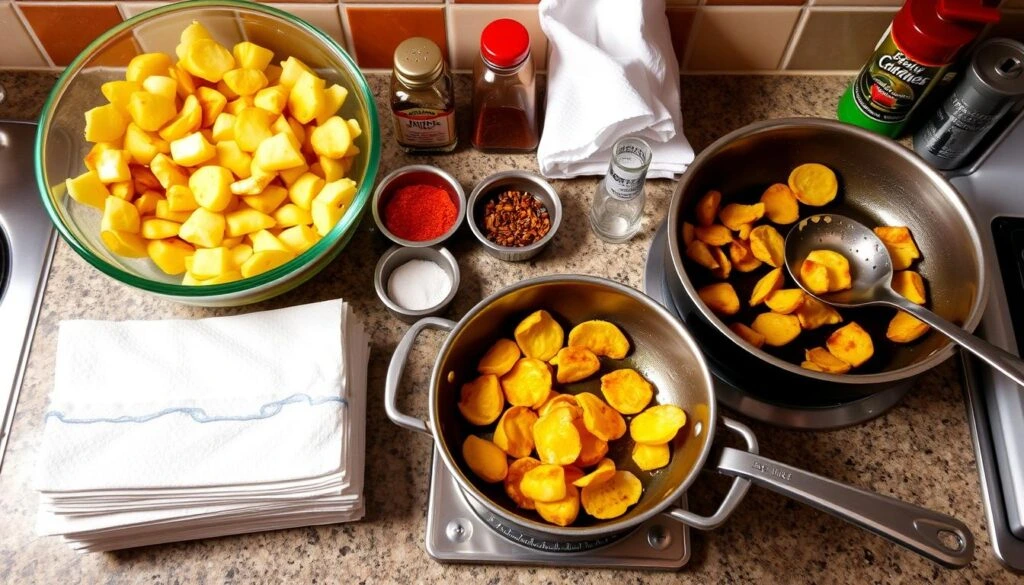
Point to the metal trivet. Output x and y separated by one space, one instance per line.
457 532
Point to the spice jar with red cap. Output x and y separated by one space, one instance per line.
505 90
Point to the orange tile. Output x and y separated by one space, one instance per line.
755 2
496 1
376 31
65 29
680 22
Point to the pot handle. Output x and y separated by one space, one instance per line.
739 487
931 534
397 366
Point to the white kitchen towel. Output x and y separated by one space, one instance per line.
612 72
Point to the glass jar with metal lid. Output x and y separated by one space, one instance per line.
422 98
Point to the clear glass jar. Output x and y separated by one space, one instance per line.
618 206
505 115
422 98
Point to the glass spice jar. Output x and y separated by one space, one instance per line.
422 98
505 90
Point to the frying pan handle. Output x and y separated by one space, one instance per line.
935 536
736 492
394 377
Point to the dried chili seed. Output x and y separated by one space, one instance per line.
515 219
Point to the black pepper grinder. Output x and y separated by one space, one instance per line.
505 90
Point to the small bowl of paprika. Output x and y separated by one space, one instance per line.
418 206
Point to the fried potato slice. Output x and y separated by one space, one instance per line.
814 276
700 253
713 235
724 265
707 207
514 432
539 335
813 313
516 471
900 244
567 401
809 365
603 421
556 438
749 335
657 425
687 233
626 390
527 383
744 232
592 449
720 297
851 344
778 330
600 337
735 215
785 301
824 359
574 363
769 283
905 328
610 499
780 204
481 400
836 264
767 245
485 459
650 457
561 512
604 471
500 358
813 184
544 483
742 257
909 284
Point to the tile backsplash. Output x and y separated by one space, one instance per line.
709 36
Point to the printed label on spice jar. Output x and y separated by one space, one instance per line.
425 127
889 86
627 172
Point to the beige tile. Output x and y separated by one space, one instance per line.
839 40
19 47
164 37
682 2
467 21
323 16
736 38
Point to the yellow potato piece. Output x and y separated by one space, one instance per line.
769 283
900 244
481 400
809 365
603 421
735 215
814 276
767 245
688 235
251 55
556 400
813 184
604 471
539 335
149 111
851 344
574 364
213 103
909 284
500 358
145 65
813 314
154 228
785 301
700 253
124 243
105 123
707 208
600 337
778 330
485 459
331 139
747 334
265 261
169 255
120 215
836 264
825 361
610 499
713 235
514 432
657 425
88 189
544 483
245 81
720 297
556 438
562 512
724 265
592 449
742 257
650 457
207 59
626 390
744 232
211 262
514 478
780 204
211 187
527 383
905 328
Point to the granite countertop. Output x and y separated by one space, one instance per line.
920 451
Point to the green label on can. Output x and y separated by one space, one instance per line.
891 83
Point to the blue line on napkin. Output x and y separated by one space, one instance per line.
199 415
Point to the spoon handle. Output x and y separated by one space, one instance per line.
996 357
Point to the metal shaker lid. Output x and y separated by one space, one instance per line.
999 66
418 61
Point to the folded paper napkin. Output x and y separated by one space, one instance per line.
612 72
167 430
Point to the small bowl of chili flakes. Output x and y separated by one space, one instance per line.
514 214
418 206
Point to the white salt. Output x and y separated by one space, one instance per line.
418 285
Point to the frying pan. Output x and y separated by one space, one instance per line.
666 354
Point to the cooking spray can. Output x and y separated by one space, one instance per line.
992 84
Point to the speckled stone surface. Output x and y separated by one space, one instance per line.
920 451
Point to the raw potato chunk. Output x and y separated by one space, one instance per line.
813 184
780 204
556 438
721 298
713 235
251 55
592 449
527 383
105 123
120 215
544 483
88 189
514 432
332 139
851 344
265 260
905 328
747 334
735 215
485 459
824 361
514 478
207 59
210 262
600 337
837 266
603 421
785 301
500 358
909 284
574 363
768 284
700 253
145 65
169 255
650 457
778 330
900 245
481 400
626 390
539 335
211 187
561 512
203 228
812 314
124 243
604 471
150 111
707 208
657 425
610 499
767 245
742 257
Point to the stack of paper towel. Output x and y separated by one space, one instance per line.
160 431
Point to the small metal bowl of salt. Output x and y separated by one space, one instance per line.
416 282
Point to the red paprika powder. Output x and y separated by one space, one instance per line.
419 212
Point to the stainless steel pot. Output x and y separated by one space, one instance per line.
667 355
881 183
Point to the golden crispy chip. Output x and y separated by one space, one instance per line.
514 433
826 361
572 473
785 301
657 425
567 401
812 314
768 246
600 419
749 335
780 204
539 335
687 233
610 499
809 365
742 257
527 383
735 215
744 232
900 244
485 459
707 207
851 344
720 297
769 283
778 330
516 471
837 265
626 390
905 328
700 253
481 400
562 512
603 472
600 337
574 364
814 276
813 184
713 235
650 457
544 483
556 438
724 266
909 284
500 358
592 449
